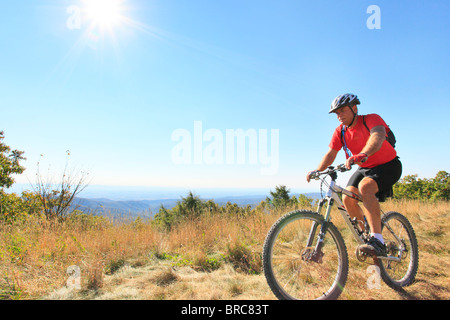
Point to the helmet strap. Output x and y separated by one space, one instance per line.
354 116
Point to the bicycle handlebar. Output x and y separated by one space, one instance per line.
330 170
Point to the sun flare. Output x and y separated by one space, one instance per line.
104 13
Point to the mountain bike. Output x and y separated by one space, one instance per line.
305 256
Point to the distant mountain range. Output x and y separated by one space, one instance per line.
147 208
146 201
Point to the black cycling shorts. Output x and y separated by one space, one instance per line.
385 175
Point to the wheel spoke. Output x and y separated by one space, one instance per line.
401 243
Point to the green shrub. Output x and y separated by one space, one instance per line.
243 258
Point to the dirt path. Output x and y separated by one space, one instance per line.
161 281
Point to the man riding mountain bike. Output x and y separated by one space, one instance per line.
363 139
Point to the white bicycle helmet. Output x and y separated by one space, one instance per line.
343 100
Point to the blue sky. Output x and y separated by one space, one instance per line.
114 98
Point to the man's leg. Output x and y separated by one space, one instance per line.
352 206
368 189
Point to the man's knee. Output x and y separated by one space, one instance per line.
368 187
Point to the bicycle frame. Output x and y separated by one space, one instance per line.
332 198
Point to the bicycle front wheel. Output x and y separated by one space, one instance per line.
288 267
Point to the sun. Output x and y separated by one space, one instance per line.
104 13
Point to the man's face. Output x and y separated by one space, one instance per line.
345 114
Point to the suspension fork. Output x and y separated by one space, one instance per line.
323 226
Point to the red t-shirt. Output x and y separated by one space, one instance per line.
356 138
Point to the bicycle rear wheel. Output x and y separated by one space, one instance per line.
288 267
401 242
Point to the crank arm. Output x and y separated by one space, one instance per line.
389 258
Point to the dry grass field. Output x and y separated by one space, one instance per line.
212 257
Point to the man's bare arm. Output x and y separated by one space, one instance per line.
374 143
376 139
327 160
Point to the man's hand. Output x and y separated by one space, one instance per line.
358 159
310 174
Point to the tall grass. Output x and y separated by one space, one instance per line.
35 254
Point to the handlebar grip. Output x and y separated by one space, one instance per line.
342 167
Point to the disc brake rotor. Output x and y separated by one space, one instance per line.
310 254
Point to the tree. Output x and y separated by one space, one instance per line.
164 218
304 201
280 197
57 198
9 163
412 187
13 206
408 188
191 204
441 184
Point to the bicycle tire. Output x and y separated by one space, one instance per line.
271 273
396 282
